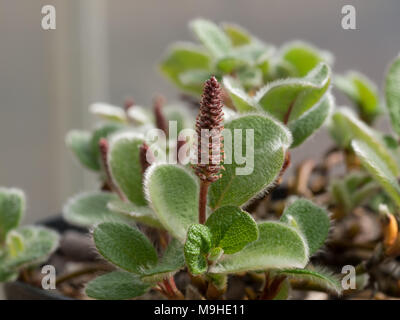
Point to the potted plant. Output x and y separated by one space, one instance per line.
192 203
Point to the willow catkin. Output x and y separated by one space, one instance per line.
209 126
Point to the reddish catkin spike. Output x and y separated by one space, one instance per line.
209 126
161 121
146 157
210 146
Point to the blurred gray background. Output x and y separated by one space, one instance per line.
105 50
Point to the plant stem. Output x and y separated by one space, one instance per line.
203 201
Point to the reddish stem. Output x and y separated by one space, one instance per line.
203 201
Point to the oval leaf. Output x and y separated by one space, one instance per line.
212 36
278 246
125 167
116 285
310 121
323 278
241 100
80 143
288 99
239 184
231 229
182 58
173 193
311 220
124 246
89 209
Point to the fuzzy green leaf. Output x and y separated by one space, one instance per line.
212 37
346 126
310 121
182 58
236 34
288 99
197 246
172 260
378 168
80 143
362 92
140 214
89 209
304 57
231 229
124 246
37 245
108 112
278 246
238 185
12 208
124 162
241 100
319 276
117 285
392 94
311 220
173 194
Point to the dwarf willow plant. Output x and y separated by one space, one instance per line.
20 247
200 209
198 212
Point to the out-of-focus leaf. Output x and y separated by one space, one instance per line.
392 93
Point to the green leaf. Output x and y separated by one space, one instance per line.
310 121
12 208
250 78
194 77
80 143
304 57
140 214
103 131
124 246
173 193
38 243
312 221
319 276
108 112
241 100
378 168
239 184
392 94
197 246
288 99
116 285
172 260
182 58
212 37
236 34
89 209
362 92
125 167
278 246
346 126
231 229
284 291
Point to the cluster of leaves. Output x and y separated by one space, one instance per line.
378 152
20 247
